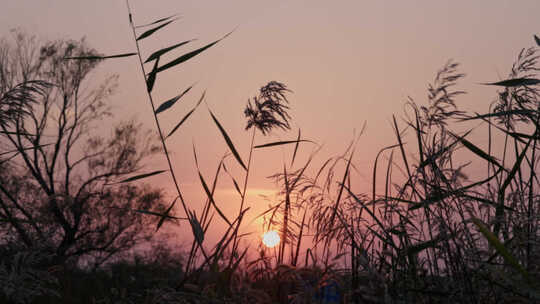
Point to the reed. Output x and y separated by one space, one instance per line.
439 232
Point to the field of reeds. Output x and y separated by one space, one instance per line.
455 222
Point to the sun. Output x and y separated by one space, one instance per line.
270 239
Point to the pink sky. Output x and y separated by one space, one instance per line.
346 61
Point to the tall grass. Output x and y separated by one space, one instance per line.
438 234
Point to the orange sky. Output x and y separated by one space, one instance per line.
346 61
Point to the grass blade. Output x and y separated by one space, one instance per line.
186 116
523 135
374 178
501 113
153 30
207 190
494 241
169 103
233 180
166 214
417 248
196 227
163 51
370 212
157 21
341 187
211 198
229 141
152 77
515 168
400 142
516 82
296 147
100 57
284 142
159 214
473 148
189 55
141 176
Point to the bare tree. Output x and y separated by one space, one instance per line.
59 178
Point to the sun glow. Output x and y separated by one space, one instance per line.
270 239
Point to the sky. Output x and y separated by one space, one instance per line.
347 63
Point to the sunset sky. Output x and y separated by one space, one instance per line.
347 62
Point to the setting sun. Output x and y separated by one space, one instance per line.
270 239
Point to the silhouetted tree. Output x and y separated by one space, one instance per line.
58 176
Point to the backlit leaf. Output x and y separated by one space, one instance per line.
157 21
152 77
417 248
515 82
279 143
140 176
211 198
186 116
153 30
165 215
169 103
163 51
159 214
501 113
296 147
189 55
473 148
196 227
233 180
494 241
229 141
101 57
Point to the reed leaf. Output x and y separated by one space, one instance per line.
157 21
501 249
211 198
189 55
523 135
296 147
236 186
163 51
515 168
229 141
209 193
516 82
196 227
169 103
401 148
153 30
370 212
141 176
375 168
186 116
100 57
166 214
284 142
152 77
417 248
341 187
501 113
159 214
473 148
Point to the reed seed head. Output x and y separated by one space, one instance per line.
269 109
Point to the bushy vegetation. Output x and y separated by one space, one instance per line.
440 232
